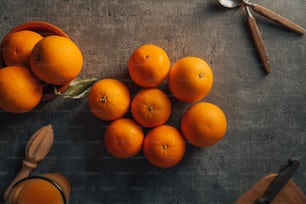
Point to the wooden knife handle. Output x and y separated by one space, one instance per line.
259 43
278 18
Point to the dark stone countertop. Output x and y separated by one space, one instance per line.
266 114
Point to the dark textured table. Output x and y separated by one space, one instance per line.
266 113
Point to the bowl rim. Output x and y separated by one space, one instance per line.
38 26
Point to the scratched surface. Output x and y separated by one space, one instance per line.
266 114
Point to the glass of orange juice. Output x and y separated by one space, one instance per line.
43 189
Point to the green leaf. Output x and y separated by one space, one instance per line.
78 88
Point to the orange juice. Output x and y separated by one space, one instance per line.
51 188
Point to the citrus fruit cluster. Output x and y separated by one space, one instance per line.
189 80
32 61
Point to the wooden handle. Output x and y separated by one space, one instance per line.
278 18
23 173
259 44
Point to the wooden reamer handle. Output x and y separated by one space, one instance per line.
23 173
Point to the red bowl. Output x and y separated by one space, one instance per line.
45 29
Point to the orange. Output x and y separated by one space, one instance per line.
148 66
203 124
151 107
190 79
20 90
109 99
17 47
56 60
123 138
164 146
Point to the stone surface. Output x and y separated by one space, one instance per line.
266 113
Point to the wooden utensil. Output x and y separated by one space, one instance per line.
37 148
258 40
275 17
290 193
265 12
275 188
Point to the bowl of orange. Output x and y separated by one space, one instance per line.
41 27
33 32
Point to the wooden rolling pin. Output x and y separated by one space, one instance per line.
37 148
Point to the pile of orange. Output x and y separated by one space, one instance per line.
32 61
189 80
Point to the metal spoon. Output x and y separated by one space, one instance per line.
38 146
265 12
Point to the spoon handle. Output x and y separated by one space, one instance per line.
278 18
23 173
259 43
